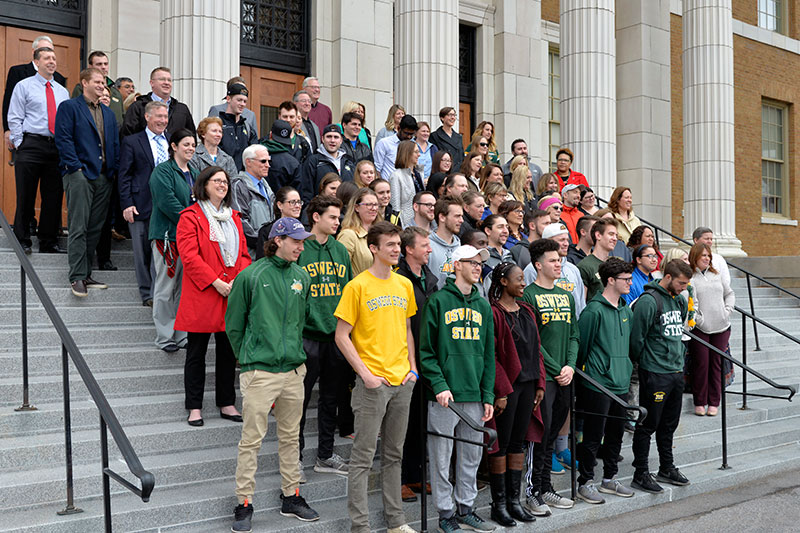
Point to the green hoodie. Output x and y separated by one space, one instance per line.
266 315
558 327
658 347
457 345
328 265
605 338
274 147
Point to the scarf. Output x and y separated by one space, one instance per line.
222 230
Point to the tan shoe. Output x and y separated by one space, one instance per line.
700 410
712 411
407 494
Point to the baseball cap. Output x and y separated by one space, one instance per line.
282 132
468 252
331 128
552 230
237 88
289 227
569 187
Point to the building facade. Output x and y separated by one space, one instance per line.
687 102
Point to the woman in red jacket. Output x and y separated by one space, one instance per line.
519 388
212 249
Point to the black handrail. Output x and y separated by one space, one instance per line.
107 417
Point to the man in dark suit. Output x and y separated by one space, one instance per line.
20 72
161 84
139 155
88 149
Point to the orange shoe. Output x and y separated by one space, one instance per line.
407 494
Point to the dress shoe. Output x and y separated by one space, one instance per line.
117 236
27 249
417 487
107 265
232 418
79 288
94 284
55 249
195 423
170 348
148 302
407 494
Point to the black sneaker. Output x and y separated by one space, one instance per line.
242 517
297 507
672 476
646 483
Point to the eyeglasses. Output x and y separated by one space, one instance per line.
483 144
650 256
219 181
563 160
429 206
519 211
626 280
369 206
473 263
452 114
294 202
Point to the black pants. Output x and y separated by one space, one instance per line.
598 429
413 451
554 409
194 370
36 167
326 362
661 395
512 423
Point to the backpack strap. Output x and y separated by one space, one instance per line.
659 303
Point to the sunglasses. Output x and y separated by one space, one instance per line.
483 144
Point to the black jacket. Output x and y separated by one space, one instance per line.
467 225
236 136
284 168
452 145
574 255
179 117
421 295
314 169
16 74
359 153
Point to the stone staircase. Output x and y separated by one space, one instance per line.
194 467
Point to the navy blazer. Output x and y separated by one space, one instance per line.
135 166
78 140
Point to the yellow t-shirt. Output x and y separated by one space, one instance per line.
377 309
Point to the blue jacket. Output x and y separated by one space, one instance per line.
135 166
78 140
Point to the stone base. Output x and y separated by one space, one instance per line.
728 247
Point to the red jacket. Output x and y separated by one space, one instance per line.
570 217
202 308
574 177
508 367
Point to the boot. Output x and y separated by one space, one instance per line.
499 511
515 509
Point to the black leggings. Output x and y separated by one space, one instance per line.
512 423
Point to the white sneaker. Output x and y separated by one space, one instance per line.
405 528
554 499
332 465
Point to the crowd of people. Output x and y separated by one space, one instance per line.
403 272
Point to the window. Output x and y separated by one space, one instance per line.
772 15
554 97
275 34
774 170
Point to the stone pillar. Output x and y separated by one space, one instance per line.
644 151
588 85
426 57
200 45
708 122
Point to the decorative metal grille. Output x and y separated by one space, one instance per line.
276 24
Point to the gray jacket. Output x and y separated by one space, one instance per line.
255 209
440 261
202 160
248 115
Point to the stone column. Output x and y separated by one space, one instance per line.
200 45
709 172
426 57
644 153
589 95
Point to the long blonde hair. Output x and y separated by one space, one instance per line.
479 131
352 106
351 219
389 124
517 186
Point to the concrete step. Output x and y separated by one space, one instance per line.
121 258
108 334
125 295
10 317
59 276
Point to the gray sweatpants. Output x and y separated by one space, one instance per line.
444 421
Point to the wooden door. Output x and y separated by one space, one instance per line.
465 122
15 49
268 88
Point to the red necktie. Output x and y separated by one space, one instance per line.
51 108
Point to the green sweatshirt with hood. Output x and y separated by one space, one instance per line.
328 266
457 345
605 338
266 315
656 341
558 327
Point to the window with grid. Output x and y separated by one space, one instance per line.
554 113
771 15
774 179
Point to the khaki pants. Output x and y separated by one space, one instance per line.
260 389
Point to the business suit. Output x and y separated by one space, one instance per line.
136 163
88 167
179 117
16 74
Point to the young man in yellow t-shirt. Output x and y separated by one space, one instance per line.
374 334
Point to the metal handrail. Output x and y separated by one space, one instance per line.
107 417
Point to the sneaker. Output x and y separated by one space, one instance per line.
297 507
630 426
79 288
405 528
555 466
647 483
536 505
554 499
446 525
332 465
612 486
242 518
474 522
302 473
589 494
672 476
94 284
565 458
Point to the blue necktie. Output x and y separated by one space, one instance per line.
161 151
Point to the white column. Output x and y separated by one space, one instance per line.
588 85
644 149
200 45
426 57
709 173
